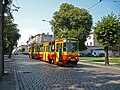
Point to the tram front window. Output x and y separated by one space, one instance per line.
72 45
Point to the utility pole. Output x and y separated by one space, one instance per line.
1 47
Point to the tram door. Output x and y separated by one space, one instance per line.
45 51
45 54
59 52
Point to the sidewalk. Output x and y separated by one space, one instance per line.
8 79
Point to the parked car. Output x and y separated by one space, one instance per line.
16 53
101 55
89 55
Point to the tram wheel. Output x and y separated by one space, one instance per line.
32 57
51 61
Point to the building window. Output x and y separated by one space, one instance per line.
89 37
90 43
87 44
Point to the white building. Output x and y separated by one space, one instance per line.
93 47
39 38
90 40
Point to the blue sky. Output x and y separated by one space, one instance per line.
32 12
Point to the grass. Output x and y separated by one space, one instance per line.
114 61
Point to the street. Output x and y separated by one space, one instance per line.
32 74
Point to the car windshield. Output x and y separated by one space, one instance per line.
72 45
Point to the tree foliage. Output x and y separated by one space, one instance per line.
108 32
71 22
10 32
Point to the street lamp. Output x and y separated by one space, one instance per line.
53 31
46 21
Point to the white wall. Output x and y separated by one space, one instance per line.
90 40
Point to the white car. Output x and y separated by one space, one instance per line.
16 53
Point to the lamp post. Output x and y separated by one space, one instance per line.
53 31
45 21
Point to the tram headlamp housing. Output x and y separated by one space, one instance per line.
76 57
69 57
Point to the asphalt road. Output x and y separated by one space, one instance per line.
34 74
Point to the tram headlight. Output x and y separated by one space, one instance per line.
69 57
76 58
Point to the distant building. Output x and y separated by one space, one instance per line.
23 46
39 38
90 40
93 47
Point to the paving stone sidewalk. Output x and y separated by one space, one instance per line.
8 79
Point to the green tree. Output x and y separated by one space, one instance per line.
108 33
71 22
10 32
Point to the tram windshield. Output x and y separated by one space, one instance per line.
72 45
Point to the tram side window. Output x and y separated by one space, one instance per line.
41 49
47 49
52 48
64 47
29 49
44 48
32 49
57 47
38 48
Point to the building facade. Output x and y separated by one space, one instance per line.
93 47
90 40
39 38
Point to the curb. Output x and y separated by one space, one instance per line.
110 67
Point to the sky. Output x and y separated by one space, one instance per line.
29 17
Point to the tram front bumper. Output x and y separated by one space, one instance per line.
72 61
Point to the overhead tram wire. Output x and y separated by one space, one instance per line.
100 2
111 0
94 5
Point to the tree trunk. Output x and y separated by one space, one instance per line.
10 51
106 56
